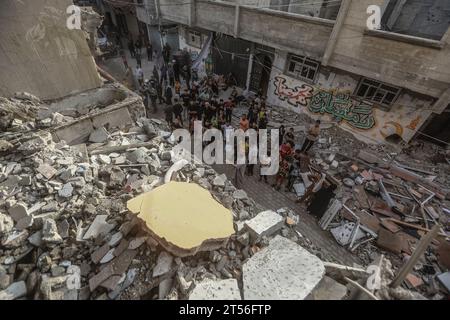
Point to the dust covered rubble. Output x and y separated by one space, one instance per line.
65 232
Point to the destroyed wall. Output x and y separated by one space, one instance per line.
331 99
39 54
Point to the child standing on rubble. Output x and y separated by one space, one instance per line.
311 138
282 172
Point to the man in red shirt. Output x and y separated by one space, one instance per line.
286 150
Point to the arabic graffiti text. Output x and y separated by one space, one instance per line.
343 108
297 97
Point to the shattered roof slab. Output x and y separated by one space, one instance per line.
184 218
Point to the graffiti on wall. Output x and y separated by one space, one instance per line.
337 104
343 108
297 96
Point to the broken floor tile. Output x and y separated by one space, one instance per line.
15 239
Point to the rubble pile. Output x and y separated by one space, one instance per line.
66 232
385 207
70 228
387 198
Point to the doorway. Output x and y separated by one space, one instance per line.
260 75
439 127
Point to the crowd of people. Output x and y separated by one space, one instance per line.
187 98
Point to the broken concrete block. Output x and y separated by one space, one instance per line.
47 171
66 191
36 239
97 255
15 239
264 224
184 218
18 211
104 159
281 271
216 290
14 291
138 156
116 267
50 232
98 227
136 243
219 181
240 195
24 223
108 256
334 164
6 223
163 265
115 239
164 288
329 289
99 135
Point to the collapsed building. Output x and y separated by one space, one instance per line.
96 205
115 214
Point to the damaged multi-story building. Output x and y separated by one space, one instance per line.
388 82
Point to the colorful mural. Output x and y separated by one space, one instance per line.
297 97
342 108
367 122
337 104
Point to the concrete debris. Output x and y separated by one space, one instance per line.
98 227
18 212
265 223
98 136
14 291
163 265
289 272
50 232
216 290
66 233
329 289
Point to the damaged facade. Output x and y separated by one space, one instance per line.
388 84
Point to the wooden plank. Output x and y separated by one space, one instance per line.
392 227
418 252
361 196
389 241
371 222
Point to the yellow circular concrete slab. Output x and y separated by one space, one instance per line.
184 214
